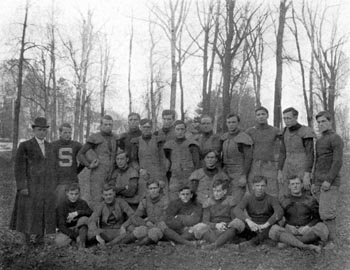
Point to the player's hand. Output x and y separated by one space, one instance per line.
252 225
242 181
72 216
304 229
280 177
100 240
306 181
122 230
292 229
325 186
221 226
149 224
313 189
24 191
143 172
263 226
94 163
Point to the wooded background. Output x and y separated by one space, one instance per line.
223 51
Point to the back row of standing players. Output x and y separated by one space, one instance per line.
176 158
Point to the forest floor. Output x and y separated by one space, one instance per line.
165 255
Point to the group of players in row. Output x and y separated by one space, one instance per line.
191 186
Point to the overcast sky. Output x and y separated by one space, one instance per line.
113 16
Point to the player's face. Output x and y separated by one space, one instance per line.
185 195
210 160
106 126
73 195
295 186
261 117
232 124
323 124
153 190
108 196
206 125
146 129
40 132
259 189
66 134
218 192
134 122
180 131
289 119
122 160
168 121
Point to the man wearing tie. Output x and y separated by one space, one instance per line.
34 210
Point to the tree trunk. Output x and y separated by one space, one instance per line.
17 109
54 85
279 65
226 65
130 56
88 116
173 58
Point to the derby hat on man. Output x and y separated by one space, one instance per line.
40 122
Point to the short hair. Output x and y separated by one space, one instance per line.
153 181
179 122
196 119
134 113
209 150
220 182
169 112
106 117
206 116
107 187
121 151
185 188
230 115
324 114
292 110
259 178
261 108
72 186
145 121
294 176
64 125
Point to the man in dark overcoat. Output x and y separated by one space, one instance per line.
34 210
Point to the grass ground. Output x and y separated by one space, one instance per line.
166 256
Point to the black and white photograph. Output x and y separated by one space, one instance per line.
175 134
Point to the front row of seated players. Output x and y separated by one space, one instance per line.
254 219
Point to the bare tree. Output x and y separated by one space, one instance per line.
233 44
257 55
277 119
80 65
171 19
332 64
52 51
308 98
130 56
21 60
208 17
106 67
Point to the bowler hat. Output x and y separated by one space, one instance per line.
40 122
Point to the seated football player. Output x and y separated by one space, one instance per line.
303 225
125 179
72 218
257 212
182 214
215 227
108 221
149 216
203 178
